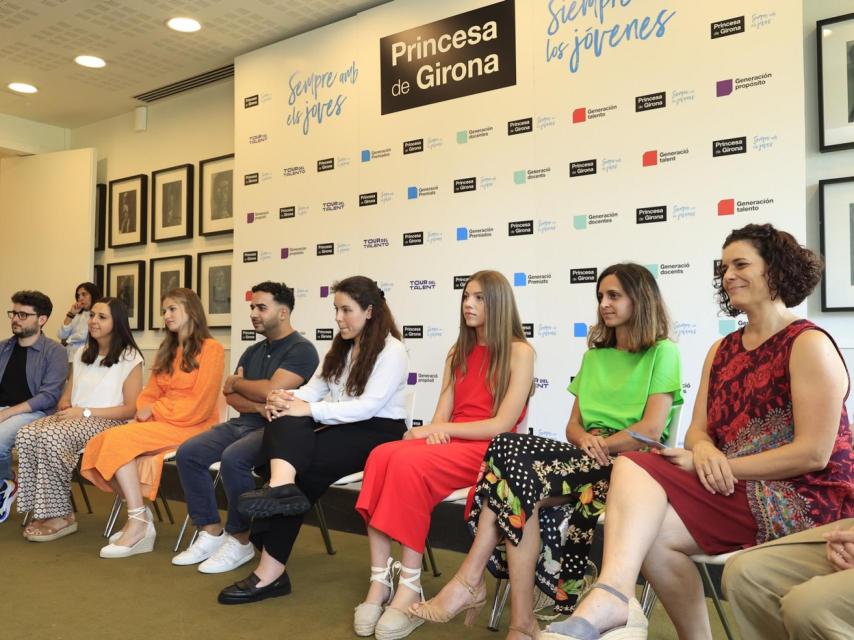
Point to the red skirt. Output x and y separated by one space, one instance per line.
717 523
406 479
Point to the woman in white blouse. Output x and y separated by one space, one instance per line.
106 379
325 430
74 329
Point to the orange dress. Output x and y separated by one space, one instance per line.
182 406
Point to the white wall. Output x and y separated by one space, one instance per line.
820 166
26 136
47 207
183 129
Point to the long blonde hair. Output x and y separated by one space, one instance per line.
197 332
501 329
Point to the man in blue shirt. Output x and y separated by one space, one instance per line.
284 360
32 371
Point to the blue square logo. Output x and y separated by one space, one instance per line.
366 155
520 279
411 193
462 233
579 330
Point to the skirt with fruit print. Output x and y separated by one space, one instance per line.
520 470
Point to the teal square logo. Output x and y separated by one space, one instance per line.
462 137
579 222
519 177
726 326
653 269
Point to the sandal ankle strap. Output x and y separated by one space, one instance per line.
414 574
473 591
611 590
384 575
137 514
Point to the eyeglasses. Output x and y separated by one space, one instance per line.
20 315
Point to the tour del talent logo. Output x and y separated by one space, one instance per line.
462 55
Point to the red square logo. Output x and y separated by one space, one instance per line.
726 207
579 115
248 296
650 158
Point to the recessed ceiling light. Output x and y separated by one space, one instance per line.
185 25
93 62
22 87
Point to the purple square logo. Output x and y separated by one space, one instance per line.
412 378
724 87
324 291
250 217
284 253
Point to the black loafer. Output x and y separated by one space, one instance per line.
246 591
285 500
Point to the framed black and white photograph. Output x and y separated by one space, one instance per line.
172 203
128 211
213 269
165 274
835 37
100 216
98 278
126 281
216 195
836 225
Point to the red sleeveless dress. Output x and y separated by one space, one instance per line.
750 411
406 479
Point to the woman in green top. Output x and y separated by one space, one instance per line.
543 497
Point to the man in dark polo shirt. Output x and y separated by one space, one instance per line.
32 371
285 360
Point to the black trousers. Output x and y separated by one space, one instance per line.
321 455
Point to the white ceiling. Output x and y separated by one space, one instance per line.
40 38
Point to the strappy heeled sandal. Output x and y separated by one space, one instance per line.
431 612
577 628
143 545
367 614
395 624
532 632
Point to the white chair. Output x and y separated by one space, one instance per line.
356 478
647 599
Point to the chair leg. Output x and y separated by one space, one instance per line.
498 603
648 599
156 510
707 580
432 559
114 515
167 507
324 530
82 486
181 532
73 501
27 517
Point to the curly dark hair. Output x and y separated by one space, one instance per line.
791 270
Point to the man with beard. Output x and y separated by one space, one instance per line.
32 371
284 360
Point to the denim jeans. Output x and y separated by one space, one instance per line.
8 431
237 447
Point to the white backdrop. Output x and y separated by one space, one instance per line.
648 112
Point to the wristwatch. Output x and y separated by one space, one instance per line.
87 412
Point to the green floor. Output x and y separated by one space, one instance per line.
63 590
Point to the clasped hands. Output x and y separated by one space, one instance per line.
432 433
283 402
840 548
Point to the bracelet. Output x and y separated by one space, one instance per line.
69 315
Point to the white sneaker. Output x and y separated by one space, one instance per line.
203 548
229 556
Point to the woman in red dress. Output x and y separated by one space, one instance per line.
768 452
486 384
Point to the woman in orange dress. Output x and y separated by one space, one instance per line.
179 402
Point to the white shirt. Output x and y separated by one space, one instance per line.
97 387
75 333
384 395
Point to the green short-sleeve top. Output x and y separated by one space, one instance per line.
612 386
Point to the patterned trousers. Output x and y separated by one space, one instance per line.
48 451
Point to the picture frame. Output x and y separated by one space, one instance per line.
216 195
172 203
165 274
128 211
836 230
213 284
835 58
98 278
100 216
126 281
